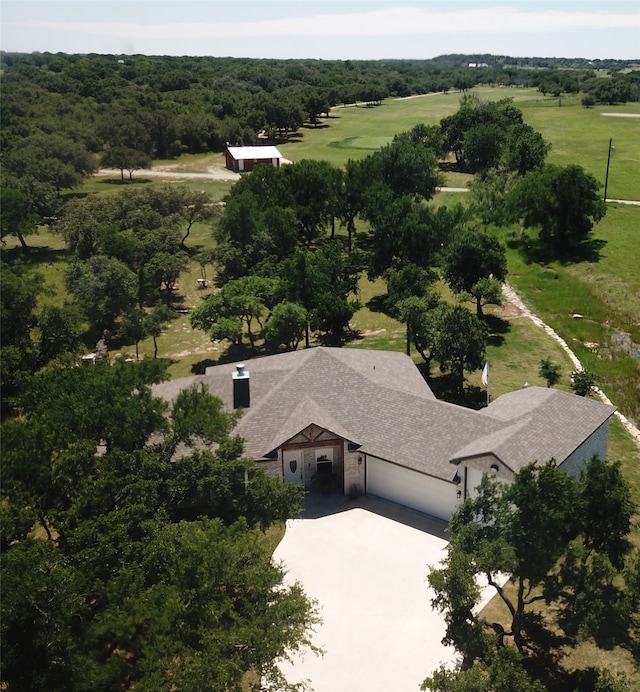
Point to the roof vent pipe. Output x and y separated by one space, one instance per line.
241 394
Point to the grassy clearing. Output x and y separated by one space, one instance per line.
581 135
607 295
47 256
615 277
191 163
106 185
355 132
574 654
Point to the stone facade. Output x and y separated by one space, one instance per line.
354 466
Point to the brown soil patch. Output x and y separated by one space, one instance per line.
507 310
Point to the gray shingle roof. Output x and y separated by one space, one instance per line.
541 424
379 400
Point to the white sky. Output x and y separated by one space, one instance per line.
327 29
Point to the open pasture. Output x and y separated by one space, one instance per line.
353 132
577 135
581 135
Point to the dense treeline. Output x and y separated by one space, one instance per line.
199 103
283 273
131 556
63 116
460 60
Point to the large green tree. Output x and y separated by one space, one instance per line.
257 229
548 533
51 159
475 263
19 292
407 168
410 297
560 202
486 136
125 159
460 342
325 283
103 287
286 325
144 229
18 217
127 564
312 189
237 308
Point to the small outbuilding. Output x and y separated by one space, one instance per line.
245 159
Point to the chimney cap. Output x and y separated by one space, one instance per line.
240 371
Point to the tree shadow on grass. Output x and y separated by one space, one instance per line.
611 624
533 251
379 304
290 138
445 388
33 256
450 167
201 366
124 183
234 353
497 327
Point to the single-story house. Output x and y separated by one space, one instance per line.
367 421
245 159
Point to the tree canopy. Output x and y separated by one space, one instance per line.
476 264
547 534
125 565
562 203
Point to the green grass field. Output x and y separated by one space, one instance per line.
105 185
577 134
607 292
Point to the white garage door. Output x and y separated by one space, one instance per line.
410 488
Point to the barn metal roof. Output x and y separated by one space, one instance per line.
265 152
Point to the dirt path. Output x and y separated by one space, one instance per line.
213 173
513 298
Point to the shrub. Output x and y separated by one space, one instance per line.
582 382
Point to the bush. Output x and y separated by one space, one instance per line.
582 382
588 100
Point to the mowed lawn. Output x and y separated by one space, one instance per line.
353 132
577 134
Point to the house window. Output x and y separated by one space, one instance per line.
324 462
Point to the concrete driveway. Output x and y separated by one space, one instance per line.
366 563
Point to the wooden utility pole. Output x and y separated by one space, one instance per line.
606 179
